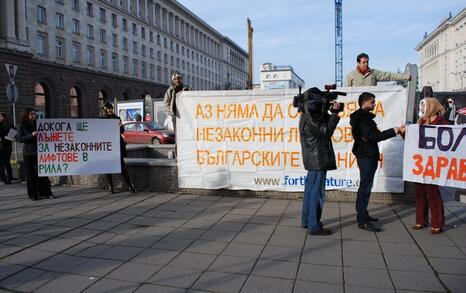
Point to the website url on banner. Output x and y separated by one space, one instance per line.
300 181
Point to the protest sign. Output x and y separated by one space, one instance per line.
250 140
78 146
435 154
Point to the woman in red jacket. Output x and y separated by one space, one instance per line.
428 195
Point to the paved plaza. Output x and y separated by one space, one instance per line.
88 240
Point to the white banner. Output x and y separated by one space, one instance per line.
78 146
435 154
250 140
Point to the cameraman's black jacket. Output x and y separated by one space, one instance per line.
366 135
316 141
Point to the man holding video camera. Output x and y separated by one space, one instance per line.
316 126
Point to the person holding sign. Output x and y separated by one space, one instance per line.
365 148
107 113
428 195
27 134
5 149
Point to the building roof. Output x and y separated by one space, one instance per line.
444 24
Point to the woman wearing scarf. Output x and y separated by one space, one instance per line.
428 195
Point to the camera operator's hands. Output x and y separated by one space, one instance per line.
336 107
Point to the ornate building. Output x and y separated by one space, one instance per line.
442 55
72 55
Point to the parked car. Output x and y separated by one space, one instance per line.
148 133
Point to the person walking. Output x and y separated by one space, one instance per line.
107 113
5 149
428 195
366 138
27 134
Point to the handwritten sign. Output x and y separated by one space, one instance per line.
78 146
435 154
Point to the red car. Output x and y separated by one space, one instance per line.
148 133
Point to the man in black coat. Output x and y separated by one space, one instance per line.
365 148
316 130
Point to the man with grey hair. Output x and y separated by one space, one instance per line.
169 101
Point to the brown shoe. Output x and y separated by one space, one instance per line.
436 230
419 227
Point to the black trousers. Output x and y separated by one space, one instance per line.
124 173
5 165
36 186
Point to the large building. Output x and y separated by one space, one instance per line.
443 55
279 77
72 55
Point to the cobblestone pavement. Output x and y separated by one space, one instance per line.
88 240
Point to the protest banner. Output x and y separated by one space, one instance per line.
250 140
78 146
435 154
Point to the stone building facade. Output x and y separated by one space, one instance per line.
442 55
72 55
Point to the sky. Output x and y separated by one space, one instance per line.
301 33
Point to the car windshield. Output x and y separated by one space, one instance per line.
155 126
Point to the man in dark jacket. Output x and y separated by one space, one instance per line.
365 148
316 130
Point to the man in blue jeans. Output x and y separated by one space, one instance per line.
316 129
365 148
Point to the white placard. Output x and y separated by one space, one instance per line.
78 146
250 140
435 154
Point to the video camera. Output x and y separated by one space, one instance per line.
315 100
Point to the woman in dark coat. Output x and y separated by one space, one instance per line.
27 134
5 149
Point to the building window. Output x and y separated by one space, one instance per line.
135 67
75 27
159 56
90 56
115 62
135 47
125 64
41 44
60 2
103 59
125 44
115 40
135 29
41 15
152 72
90 32
159 73
103 36
59 48
165 43
165 57
75 49
158 39
151 53
124 24
143 50
103 17
143 70
143 33
74 101
151 36
114 20
90 9
75 4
